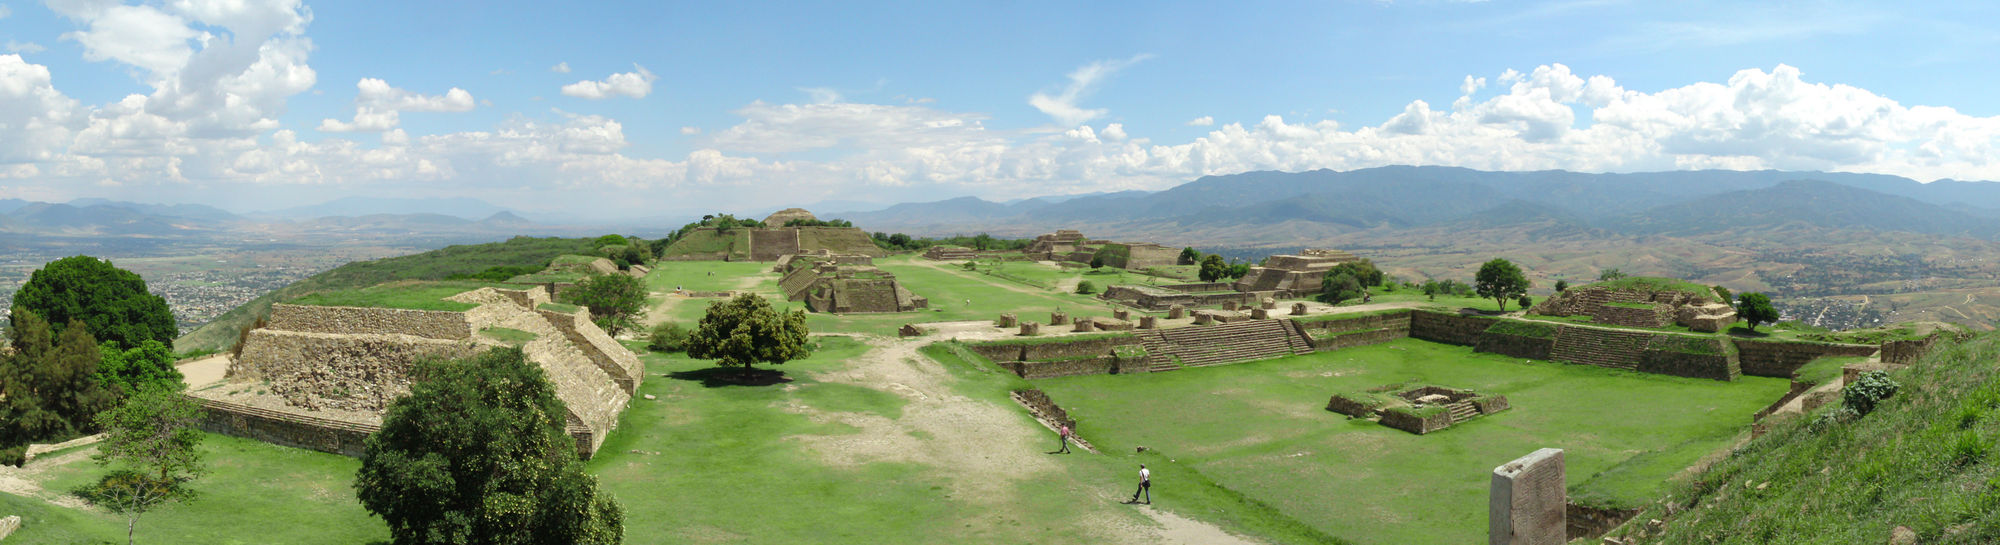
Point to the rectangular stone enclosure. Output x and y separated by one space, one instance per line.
1526 503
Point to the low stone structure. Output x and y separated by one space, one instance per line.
1030 329
1421 410
1149 322
317 386
826 286
1167 297
1526 504
1058 318
1641 308
1006 320
1070 245
910 330
9 525
950 253
1293 275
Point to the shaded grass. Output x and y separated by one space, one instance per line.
255 493
1260 428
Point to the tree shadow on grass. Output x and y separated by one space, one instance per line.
717 377
1740 331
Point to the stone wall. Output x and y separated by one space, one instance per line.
434 324
1656 315
1907 352
1197 287
1406 419
1518 346
1161 298
1782 359
1445 328
1665 355
1351 339
1099 365
331 371
283 428
1585 522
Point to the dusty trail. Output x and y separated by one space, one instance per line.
668 301
988 449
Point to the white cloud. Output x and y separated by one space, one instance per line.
822 95
1202 121
560 68
24 47
1082 81
1113 132
5 11
690 131
377 106
635 84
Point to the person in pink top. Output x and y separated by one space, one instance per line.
1062 435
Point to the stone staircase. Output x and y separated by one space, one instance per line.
1462 411
1220 344
1600 347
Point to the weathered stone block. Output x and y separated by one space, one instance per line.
1229 305
1270 304
1058 318
1030 329
910 330
1526 504
1260 314
1176 312
1121 314
1203 318
9 525
1007 320
1082 326
1148 322
1298 309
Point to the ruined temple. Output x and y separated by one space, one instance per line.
320 377
1070 245
1634 305
781 217
1293 275
828 286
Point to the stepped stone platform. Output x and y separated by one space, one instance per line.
1600 347
320 377
1220 344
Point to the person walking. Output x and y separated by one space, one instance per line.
1145 486
1062 434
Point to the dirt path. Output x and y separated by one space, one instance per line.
669 300
26 481
200 373
1001 282
987 448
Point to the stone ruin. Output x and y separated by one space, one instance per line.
1640 308
1293 275
1528 501
950 253
781 217
1419 410
822 255
827 286
1070 245
321 371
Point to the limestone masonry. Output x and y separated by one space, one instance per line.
827 286
320 377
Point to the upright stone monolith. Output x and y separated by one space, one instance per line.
1082 326
1030 329
1008 320
1058 318
1176 312
1203 318
1121 314
1148 322
1526 505
1298 309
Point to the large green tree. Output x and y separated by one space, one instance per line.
112 302
151 365
1363 271
615 300
476 454
1212 268
1501 281
153 439
746 330
49 387
1755 308
1337 287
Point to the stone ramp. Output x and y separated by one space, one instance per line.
1600 347
1221 344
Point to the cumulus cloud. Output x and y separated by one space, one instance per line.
1063 106
24 47
635 84
377 106
1202 121
690 131
560 68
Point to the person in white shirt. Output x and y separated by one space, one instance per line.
1145 486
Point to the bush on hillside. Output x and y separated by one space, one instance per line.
667 337
1867 392
1085 288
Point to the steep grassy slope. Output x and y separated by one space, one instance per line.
1924 460
448 262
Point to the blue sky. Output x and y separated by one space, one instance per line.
648 108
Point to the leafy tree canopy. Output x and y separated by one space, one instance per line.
151 365
614 300
1212 268
746 330
1500 280
49 387
112 302
1363 271
477 454
1339 286
1755 308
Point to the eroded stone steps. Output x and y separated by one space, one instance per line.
1462 411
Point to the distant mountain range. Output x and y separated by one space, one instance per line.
107 218
461 207
1276 208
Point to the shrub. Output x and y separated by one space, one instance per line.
1969 448
1086 288
1562 286
1525 301
667 337
1867 392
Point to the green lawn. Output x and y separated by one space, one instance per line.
1261 429
949 288
409 295
256 493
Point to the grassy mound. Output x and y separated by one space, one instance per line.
459 261
1657 284
1924 460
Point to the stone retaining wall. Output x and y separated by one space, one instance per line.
349 372
1783 359
1654 316
434 324
1407 420
1100 365
1445 328
1518 346
1585 522
1721 366
311 432
614 359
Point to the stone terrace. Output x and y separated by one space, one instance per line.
1612 348
1236 342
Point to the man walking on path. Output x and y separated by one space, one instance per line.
1145 486
1062 434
